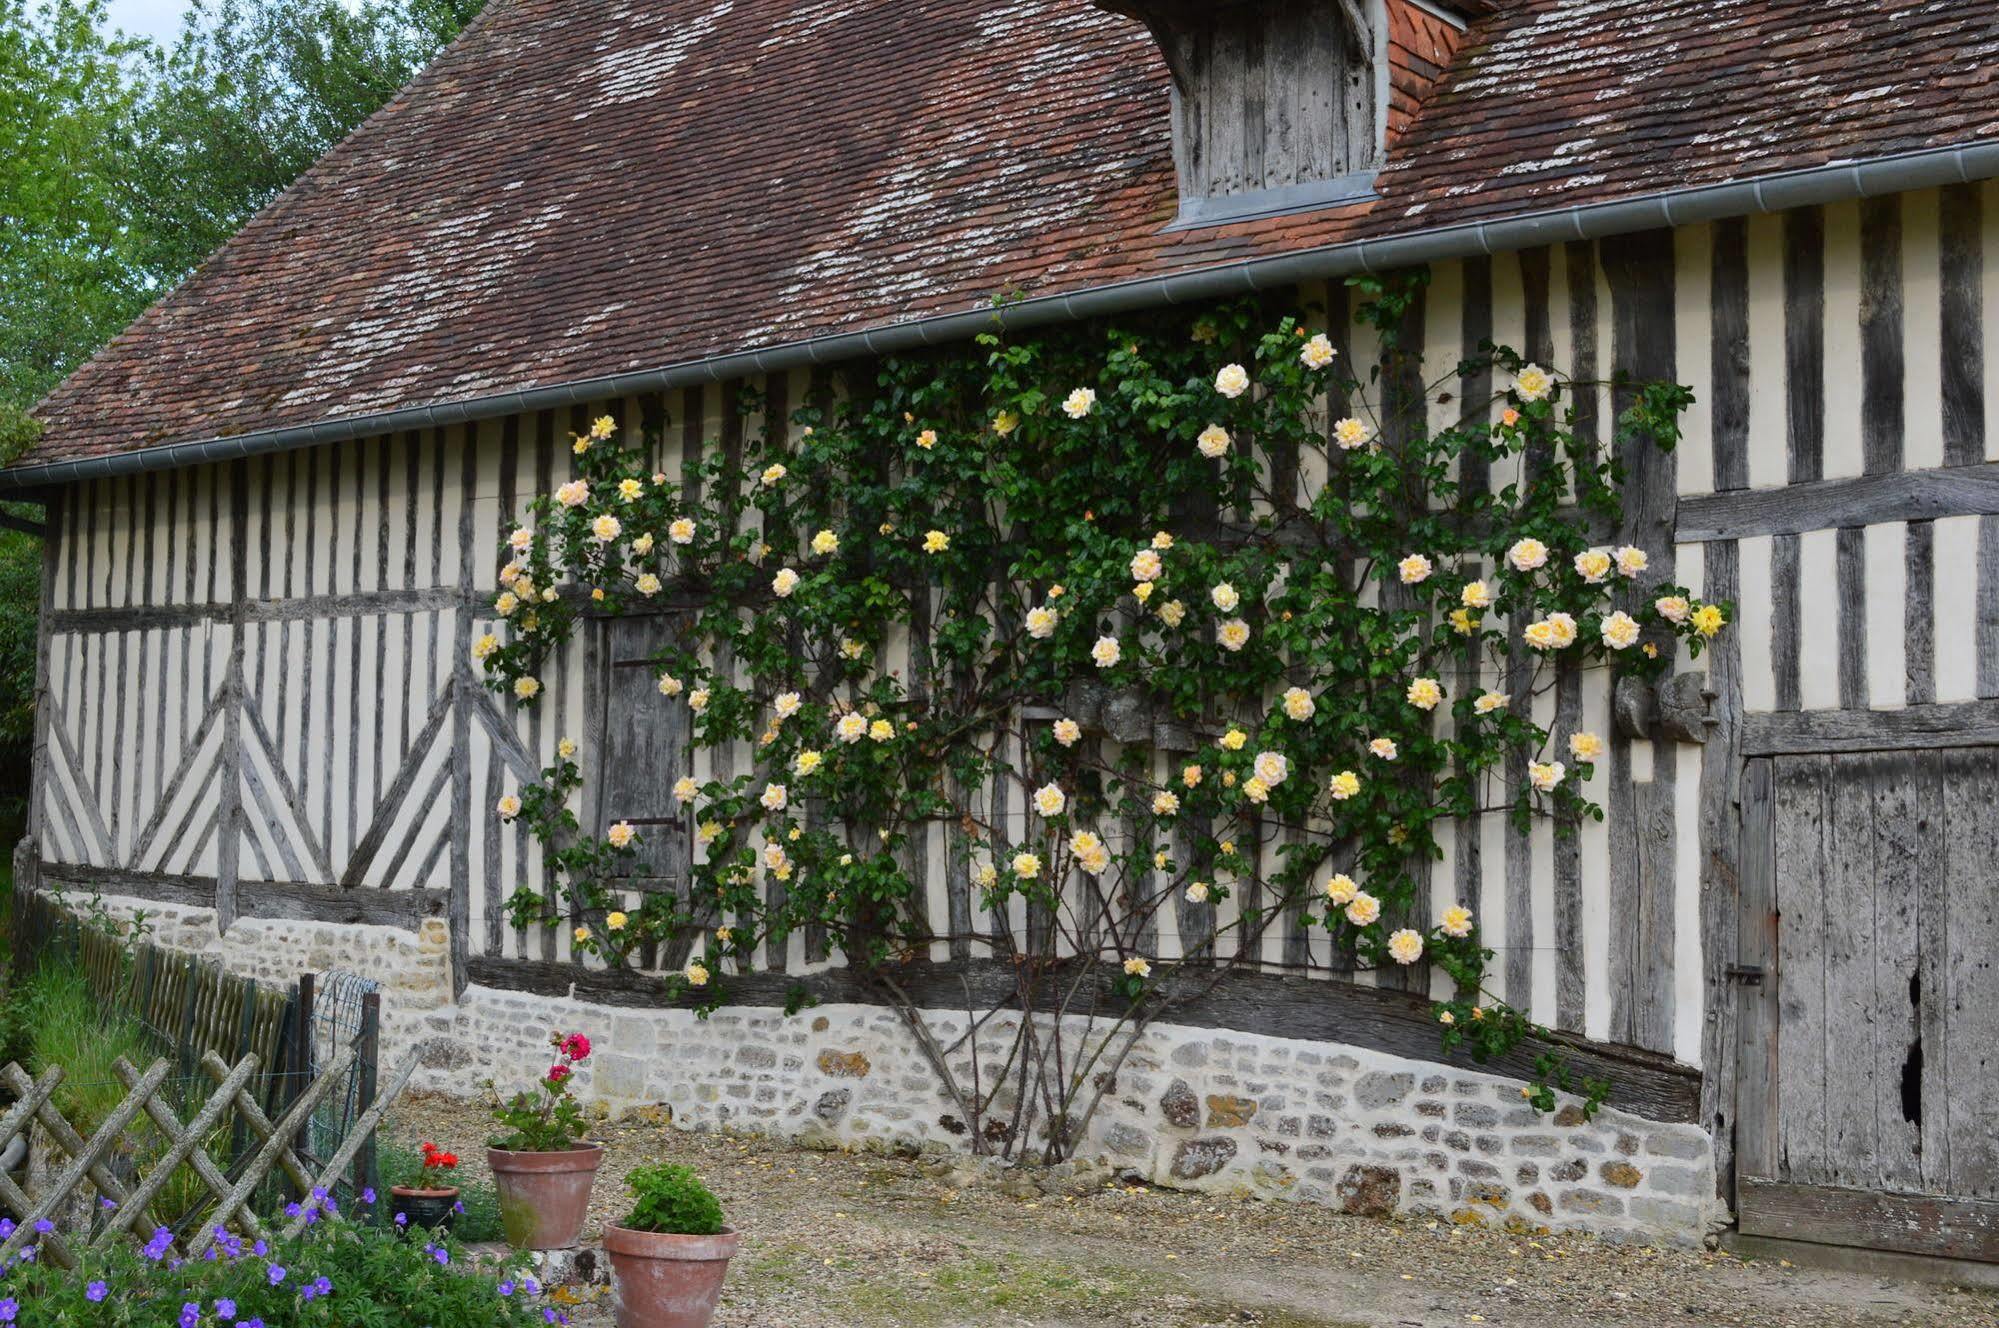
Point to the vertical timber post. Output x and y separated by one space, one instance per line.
367 1175
301 1058
229 815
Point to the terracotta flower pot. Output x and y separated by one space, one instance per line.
667 1281
424 1208
544 1197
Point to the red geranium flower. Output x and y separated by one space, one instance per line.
576 1047
557 1073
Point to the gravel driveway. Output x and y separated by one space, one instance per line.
836 1240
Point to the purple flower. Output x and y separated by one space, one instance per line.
6 1227
190 1314
225 1308
368 1195
44 1226
532 1283
442 1255
96 1292
260 1249
506 1288
292 1210
323 1285
8 1310
402 1219
458 1206
107 1204
157 1247
276 1273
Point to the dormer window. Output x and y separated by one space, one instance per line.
1285 105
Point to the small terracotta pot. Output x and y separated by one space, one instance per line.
424 1208
666 1281
544 1197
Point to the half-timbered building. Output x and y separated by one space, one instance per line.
273 505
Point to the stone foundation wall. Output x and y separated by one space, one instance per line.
1193 1108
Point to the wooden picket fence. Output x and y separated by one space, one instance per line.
129 1211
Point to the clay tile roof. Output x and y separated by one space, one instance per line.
582 189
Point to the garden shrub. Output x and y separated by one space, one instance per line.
671 1200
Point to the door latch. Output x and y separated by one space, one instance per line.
1749 975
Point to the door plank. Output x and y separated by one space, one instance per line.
1915 1224
1893 780
1756 1009
1971 810
1932 973
1849 1012
1801 947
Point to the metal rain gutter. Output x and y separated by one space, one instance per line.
1841 182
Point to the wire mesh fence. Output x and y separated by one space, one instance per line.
197 1015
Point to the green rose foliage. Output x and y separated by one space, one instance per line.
1245 554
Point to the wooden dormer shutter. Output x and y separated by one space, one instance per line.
647 744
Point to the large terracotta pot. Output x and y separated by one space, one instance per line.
667 1281
544 1197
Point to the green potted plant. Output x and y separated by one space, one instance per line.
427 1195
543 1168
669 1256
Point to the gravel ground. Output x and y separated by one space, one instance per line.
839 1240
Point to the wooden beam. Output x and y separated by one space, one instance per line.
1912 1223
1949 724
1864 500
1644 1083
285 900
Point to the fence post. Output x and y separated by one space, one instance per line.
183 1036
239 1130
301 1068
367 1173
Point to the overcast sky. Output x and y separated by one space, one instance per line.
158 19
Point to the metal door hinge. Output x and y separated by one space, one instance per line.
1749 975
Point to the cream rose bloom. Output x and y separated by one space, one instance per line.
1424 693
1172 613
1137 968
1405 946
1050 800
1363 910
1533 383
1067 731
1079 403
1673 608
647 584
935 541
1106 652
1298 704
1225 597
852 727
1414 570
1384 748
1350 433
681 530
775 797
1476 595
686 789
1527 555
1593 565
825 542
1041 622
1317 352
1165 804
1585 746
1232 381
1340 890
807 762
784 582
1197 892
1146 565
1619 631
1234 739
1457 921
1271 767
1232 634
1546 776
508 806
774 474
573 494
521 538
669 685
1026 866
620 835
485 646
1213 442
1344 785
1631 560
527 688
880 730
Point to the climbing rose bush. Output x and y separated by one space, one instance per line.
1185 626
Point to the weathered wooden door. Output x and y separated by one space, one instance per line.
1868 1082
646 746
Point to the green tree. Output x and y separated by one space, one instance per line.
249 96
